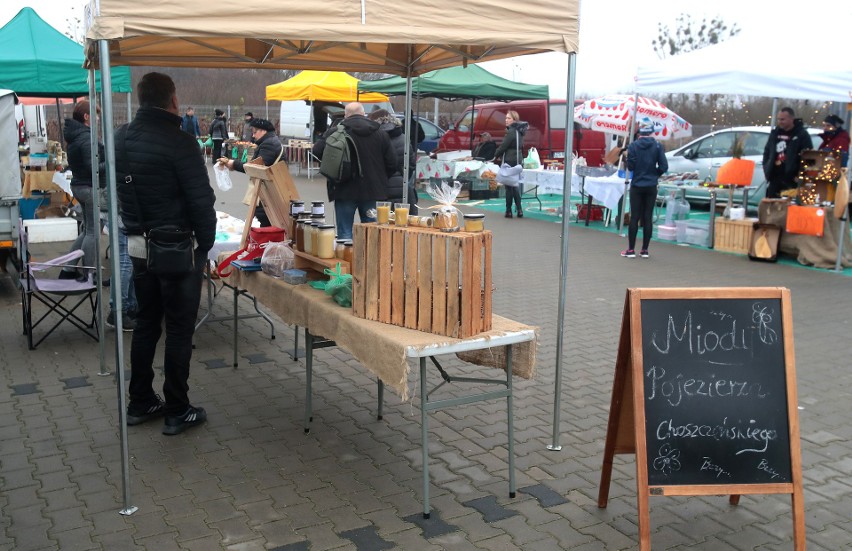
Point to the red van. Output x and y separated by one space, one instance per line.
546 131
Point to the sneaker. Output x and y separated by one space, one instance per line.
520 214
68 274
128 323
644 253
192 417
137 414
629 253
508 214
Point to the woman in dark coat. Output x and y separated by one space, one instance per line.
393 126
834 138
218 133
510 152
269 150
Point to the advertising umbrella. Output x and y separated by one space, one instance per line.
613 113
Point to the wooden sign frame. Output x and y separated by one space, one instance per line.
274 186
626 428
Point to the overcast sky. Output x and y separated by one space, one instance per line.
615 35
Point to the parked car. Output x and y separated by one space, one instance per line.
431 131
706 154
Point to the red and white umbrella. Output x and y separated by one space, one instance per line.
613 113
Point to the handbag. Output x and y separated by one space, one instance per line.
170 249
509 175
259 238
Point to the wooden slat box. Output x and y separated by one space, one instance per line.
423 279
734 236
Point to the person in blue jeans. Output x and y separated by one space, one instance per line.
128 292
647 160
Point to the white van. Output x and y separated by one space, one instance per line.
295 121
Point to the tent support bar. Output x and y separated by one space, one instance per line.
838 266
95 206
563 269
406 162
109 149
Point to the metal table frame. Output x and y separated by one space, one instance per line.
426 405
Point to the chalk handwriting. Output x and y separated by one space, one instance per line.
669 429
762 316
700 341
708 465
764 466
668 459
675 389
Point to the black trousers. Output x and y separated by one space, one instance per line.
217 150
513 193
642 201
176 301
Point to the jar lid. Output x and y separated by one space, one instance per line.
303 221
347 244
340 241
474 216
317 202
296 202
317 216
326 226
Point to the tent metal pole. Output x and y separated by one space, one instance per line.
435 117
406 157
563 269
109 148
627 140
96 126
59 121
774 111
472 122
129 107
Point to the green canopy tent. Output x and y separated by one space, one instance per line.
36 60
471 82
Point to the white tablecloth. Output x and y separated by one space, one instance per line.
606 191
432 168
229 233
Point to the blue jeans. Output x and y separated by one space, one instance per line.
344 214
91 226
128 291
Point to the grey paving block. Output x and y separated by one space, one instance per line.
258 358
545 496
491 510
366 539
215 363
24 389
76 382
300 546
433 526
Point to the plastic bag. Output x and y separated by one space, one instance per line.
277 257
532 159
223 177
447 217
338 286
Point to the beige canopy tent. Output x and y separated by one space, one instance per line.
400 37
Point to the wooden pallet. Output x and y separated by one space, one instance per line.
734 236
422 278
305 261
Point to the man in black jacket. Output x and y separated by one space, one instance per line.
378 162
782 152
162 180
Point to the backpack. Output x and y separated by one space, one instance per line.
337 157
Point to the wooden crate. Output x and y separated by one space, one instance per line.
422 278
734 236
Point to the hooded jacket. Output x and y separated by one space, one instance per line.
170 184
268 149
377 158
513 142
799 141
647 160
78 136
838 142
396 134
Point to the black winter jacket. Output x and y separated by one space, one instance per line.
79 139
169 177
377 158
398 143
647 159
799 141
268 149
218 130
513 142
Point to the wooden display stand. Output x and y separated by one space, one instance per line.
422 278
305 261
704 395
734 236
274 186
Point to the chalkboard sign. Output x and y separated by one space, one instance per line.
704 395
715 391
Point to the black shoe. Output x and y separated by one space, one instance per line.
520 214
68 274
508 214
138 414
128 323
176 425
105 283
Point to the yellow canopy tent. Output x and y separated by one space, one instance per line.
321 86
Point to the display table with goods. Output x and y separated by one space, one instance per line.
428 168
427 287
809 233
598 187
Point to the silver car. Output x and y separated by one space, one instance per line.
706 154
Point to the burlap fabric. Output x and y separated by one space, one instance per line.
808 250
381 348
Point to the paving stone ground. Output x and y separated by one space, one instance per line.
251 479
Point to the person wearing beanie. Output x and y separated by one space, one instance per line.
647 160
218 133
247 128
269 150
835 138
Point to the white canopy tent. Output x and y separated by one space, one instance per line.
344 35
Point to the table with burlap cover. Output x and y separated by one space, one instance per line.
383 349
809 250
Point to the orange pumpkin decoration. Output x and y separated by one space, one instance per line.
737 171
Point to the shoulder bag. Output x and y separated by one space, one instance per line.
509 175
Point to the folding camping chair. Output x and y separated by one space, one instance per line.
61 297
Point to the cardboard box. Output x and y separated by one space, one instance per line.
422 278
51 230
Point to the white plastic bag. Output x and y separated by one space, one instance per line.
223 177
532 159
277 258
447 217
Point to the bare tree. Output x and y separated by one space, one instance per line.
689 35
